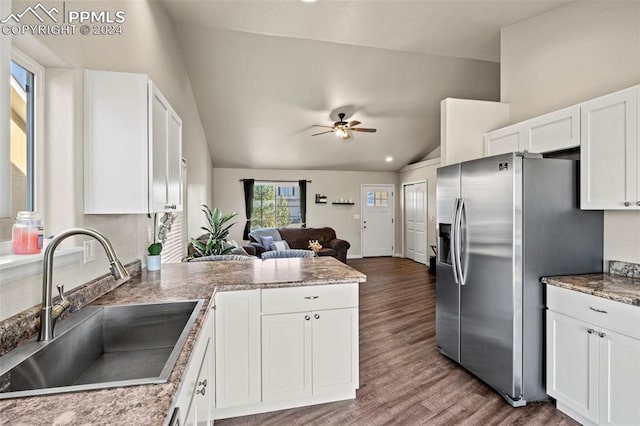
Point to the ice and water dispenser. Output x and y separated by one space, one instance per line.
444 243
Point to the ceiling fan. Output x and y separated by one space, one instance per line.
342 129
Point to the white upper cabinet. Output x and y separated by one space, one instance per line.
501 141
555 131
609 152
132 146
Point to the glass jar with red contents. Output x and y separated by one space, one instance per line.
27 233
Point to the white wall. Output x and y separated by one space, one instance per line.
5 165
463 123
571 54
148 45
425 170
229 196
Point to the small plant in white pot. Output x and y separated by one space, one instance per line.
154 260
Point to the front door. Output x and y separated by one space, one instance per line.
377 220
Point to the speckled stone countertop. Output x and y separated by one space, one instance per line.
151 404
622 284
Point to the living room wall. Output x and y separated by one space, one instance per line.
574 53
228 195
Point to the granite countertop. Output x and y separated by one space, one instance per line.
619 288
150 404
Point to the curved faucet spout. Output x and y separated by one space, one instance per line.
49 314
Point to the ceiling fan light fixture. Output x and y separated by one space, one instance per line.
342 133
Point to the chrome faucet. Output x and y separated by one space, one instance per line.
49 314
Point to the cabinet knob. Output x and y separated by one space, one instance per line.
601 334
202 391
627 204
307 317
590 330
316 316
203 383
638 203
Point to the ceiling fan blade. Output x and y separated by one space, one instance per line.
322 133
362 129
318 125
354 123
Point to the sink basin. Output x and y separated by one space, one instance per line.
101 347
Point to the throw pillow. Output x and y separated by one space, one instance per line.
279 245
266 242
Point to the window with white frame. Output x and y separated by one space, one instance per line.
26 101
276 205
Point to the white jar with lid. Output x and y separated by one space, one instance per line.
27 233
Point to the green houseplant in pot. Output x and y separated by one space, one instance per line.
217 231
154 261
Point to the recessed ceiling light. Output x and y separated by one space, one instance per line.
309 1
388 159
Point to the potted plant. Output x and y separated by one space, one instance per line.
217 231
154 260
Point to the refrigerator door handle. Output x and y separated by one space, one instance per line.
454 232
461 271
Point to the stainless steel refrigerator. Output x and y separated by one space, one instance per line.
503 222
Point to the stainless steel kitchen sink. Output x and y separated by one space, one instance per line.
101 347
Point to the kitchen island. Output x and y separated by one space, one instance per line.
154 404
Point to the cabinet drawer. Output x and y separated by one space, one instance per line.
309 298
598 311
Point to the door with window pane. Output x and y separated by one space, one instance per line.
377 220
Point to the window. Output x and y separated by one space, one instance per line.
275 205
377 198
24 118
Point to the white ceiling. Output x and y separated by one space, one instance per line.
263 72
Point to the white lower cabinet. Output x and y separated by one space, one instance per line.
309 353
593 358
237 348
194 400
285 347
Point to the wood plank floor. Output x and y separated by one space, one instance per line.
403 378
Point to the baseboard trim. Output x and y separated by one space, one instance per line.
354 256
264 407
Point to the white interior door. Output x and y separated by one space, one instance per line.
377 220
415 207
409 221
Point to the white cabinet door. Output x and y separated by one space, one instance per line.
237 348
609 152
554 131
286 356
501 141
116 174
159 125
619 380
199 411
174 162
572 364
132 146
335 351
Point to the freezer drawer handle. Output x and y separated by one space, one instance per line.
598 310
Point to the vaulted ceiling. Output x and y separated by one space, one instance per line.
263 72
